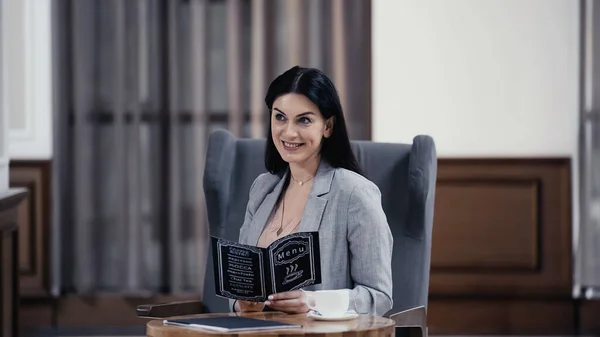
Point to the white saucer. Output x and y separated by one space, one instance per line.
347 316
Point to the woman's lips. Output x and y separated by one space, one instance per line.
291 146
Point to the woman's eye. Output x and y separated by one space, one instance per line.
279 117
304 120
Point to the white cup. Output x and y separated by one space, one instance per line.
329 303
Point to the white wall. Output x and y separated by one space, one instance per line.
3 116
28 75
493 78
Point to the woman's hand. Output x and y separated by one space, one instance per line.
245 306
291 302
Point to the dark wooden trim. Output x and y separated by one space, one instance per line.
501 317
15 282
107 310
516 241
9 278
589 317
446 315
520 205
35 176
500 163
532 266
70 311
29 270
9 261
37 312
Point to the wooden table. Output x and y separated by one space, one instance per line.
363 325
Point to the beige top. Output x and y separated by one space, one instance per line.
269 234
287 216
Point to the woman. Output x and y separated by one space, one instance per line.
315 183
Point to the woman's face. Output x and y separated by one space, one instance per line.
298 128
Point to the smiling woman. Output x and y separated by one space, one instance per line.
305 106
315 182
297 134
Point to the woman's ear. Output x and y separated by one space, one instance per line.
329 126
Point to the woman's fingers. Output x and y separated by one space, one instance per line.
295 302
287 295
289 301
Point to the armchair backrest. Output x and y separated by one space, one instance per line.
405 174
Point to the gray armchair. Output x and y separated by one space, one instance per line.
405 174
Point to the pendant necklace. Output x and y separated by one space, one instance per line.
281 227
301 182
282 214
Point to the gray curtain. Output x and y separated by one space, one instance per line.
141 84
587 261
132 214
334 36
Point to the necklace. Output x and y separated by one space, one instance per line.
301 182
282 214
281 222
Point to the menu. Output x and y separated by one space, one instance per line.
250 273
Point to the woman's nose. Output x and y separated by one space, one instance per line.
290 130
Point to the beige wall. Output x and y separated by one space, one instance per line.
3 116
14 47
28 64
490 78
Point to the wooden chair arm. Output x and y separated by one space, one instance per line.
172 309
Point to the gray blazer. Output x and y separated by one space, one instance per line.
355 239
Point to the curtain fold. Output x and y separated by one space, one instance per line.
173 153
144 83
81 141
587 249
334 36
199 131
235 83
137 132
258 70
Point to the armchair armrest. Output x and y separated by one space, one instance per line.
411 322
169 309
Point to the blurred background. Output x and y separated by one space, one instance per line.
107 106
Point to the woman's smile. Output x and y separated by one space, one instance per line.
291 146
297 130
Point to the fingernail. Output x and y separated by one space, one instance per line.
271 297
267 303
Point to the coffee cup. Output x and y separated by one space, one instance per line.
329 303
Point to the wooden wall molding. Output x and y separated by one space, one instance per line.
34 226
502 228
9 287
476 234
88 311
589 317
495 316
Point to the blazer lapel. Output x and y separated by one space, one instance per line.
262 214
315 204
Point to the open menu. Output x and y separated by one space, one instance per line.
250 273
